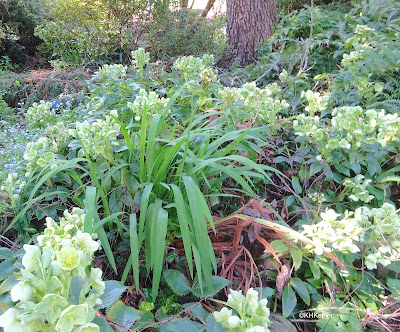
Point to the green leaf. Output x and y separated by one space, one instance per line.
297 257
200 228
315 168
279 246
184 225
373 165
106 245
296 185
218 283
143 322
177 281
158 248
289 300
90 208
389 178
112 293
181 325
328 271
121 314
280 324
6 253
394 286
7 268
75 289
315 269
8 284
103 324
133 240
301 289
266 292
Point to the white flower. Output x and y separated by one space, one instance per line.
257 329
223 315
329 214
21 292
234 322
31 258
10 322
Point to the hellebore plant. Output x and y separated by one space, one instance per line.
372 233
249 314
57 289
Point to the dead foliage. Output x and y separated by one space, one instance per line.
247 234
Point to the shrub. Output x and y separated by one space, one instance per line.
105 31
18 19
183 33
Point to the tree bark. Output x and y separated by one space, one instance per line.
249 22
210 4
184 3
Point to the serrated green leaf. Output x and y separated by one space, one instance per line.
7 268
182 325
315 269
296 185
218 283
297 257
394 286
289 300
177 281
143 322
102 324
112 292
280 324
123 315
315 168
301 289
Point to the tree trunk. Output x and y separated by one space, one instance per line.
184 3
209 5
249 22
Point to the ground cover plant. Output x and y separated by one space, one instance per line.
160 198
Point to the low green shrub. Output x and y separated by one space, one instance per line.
81 40
18 19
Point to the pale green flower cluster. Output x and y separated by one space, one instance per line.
110 72
191 68
361 42
260 103
44 292
140 58
366 88
316 102
357 187
331 232
350 61
40 153
375 233
363 34
39 115
12 186
251 314
207 76
351 128
149 102
310 127
317 198
381 242
98 137
58 133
